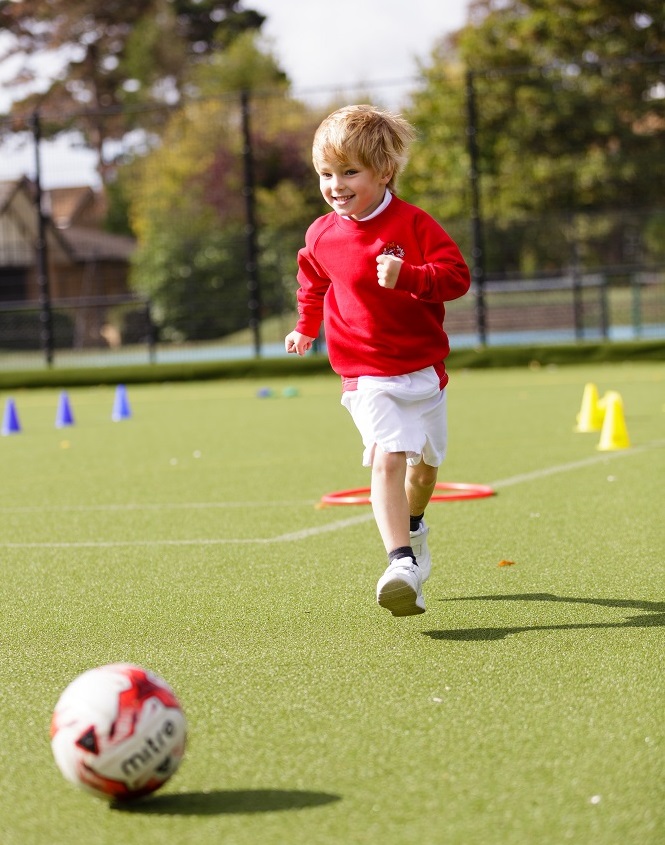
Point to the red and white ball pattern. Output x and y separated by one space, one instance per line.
118 731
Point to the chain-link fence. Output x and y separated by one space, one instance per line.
181 242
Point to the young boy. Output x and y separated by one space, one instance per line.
377 271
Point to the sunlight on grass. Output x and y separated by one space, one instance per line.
523 707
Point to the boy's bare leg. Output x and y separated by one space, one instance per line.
399 589
389 500
420 483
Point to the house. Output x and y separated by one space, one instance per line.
87 268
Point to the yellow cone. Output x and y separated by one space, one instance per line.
614 434
592 412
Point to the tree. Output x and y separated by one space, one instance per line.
588 100
117 58
187 197
571 117
437 175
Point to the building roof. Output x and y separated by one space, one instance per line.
94 245
7 190
73 225
80 206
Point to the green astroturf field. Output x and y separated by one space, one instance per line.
526 707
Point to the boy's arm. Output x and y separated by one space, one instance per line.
443 275
310 295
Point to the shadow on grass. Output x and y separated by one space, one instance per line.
226 801
653 615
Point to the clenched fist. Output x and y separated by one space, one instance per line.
387 270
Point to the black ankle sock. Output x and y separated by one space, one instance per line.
401 551
415 522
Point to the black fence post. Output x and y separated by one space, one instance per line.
604 307
578 297
152 332
578 305
477 247
636 304
253 286
45 311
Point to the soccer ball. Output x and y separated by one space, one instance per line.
118 731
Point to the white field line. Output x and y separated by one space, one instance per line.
280 538
601 457
152 506
304 533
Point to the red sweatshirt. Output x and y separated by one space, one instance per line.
371 330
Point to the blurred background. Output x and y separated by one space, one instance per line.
156 179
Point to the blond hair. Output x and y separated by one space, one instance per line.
373 137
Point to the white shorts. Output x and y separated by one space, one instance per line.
401 414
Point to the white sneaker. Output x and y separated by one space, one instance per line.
421 550
400 588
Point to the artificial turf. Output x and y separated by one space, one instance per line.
525 706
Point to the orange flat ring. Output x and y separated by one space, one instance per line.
453 492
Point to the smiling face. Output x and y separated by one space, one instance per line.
351 189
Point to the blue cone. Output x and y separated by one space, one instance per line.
64 415
121 409
10 421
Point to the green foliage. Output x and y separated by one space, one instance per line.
437 174
193 283
116 55
188 202
117 199
655 235
184 260
570 118
244 65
